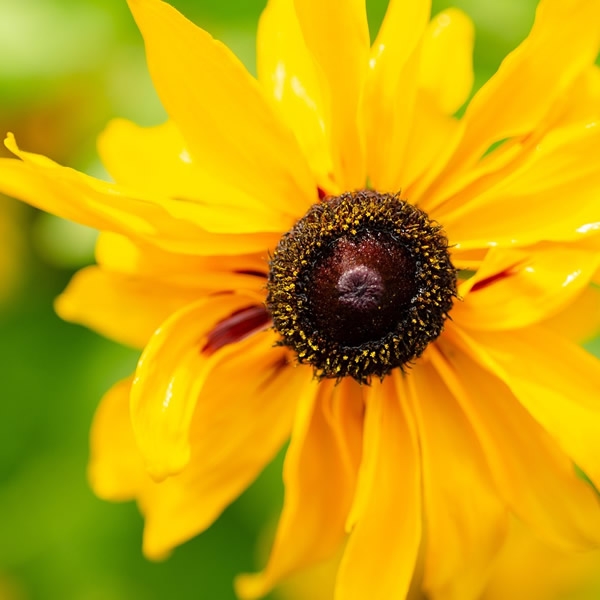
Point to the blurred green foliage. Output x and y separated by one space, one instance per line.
66 68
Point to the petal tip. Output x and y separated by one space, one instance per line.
250 586
10 142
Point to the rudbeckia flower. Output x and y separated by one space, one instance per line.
328 254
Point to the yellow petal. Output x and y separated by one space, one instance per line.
173 369
181 272
464 531
244 415
555 380
528 205
582 103
533 475
227 123
337 37
529 569
563 42
447 59
430 132
580 321
320 476
386 514
515 288
119 307
391 90
288 73
578 106
116 469
174 224
155 159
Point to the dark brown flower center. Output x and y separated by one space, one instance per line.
361 285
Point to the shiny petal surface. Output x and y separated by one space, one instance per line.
169 378
200 83
289 75
447 59
159 220
234 435
238 427
386 514
532 474
516 288
119 307
337 38
559 386
116 468
528 205
320 476
464 530
391 90
563 42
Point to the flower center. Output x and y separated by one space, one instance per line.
361 285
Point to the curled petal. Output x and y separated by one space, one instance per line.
172 372
234 433
243 416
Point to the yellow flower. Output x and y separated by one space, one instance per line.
466 420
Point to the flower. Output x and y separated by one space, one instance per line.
342 161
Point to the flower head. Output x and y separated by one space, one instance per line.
334 218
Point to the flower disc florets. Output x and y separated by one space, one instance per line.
361 285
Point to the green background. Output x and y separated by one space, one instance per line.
66 68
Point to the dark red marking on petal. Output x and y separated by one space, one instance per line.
237 326
485 282
322 193
251 272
